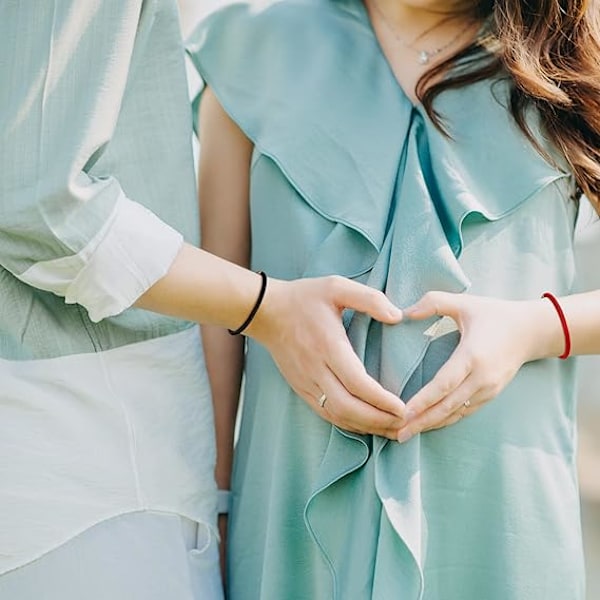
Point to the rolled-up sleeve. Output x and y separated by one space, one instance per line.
64 73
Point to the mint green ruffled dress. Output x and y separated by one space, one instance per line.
349 177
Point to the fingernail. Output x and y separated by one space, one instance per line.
396 313
409 310
404 436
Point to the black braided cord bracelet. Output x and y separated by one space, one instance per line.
261 295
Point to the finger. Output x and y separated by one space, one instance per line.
450 376
449 410
365 299
459 414
455 417
477 400
349 412
351 373
434 303
321 390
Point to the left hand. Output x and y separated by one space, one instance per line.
497 338
300 324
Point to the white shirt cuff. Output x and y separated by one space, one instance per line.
127 256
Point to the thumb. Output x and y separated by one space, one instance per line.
441 304
365 299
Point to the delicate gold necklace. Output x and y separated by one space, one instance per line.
423 56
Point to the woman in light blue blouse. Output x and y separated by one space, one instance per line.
107 449
437 151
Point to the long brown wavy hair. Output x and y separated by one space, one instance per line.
550 49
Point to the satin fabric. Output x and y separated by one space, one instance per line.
349 177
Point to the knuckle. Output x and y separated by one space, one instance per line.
338 422
481 363
382 424
445 386
333 411
377 295
492 388
395 424
447 407
472 361
490 381
432 427
433 299
418 426
452 420
349 427
339 407
335 282
358 376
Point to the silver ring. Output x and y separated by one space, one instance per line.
322 399
467 403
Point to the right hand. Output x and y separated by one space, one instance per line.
300 324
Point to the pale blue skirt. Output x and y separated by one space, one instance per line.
136 556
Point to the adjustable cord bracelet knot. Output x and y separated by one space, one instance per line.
259 299
563 323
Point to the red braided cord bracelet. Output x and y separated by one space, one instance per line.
563 322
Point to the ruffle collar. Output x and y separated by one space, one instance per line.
307 82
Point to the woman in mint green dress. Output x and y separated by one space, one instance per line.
438 152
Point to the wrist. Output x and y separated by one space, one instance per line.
263 322
547 338
255 307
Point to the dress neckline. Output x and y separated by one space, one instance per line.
359 10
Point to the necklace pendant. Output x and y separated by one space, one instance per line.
423 57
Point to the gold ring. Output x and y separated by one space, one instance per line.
467 403
322 399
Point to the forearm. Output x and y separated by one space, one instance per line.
582 313
204 288
224 356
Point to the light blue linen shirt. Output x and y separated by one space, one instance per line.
95 135
104 409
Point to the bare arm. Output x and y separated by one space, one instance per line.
582 312
300 325
223 182
223 185
299 322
